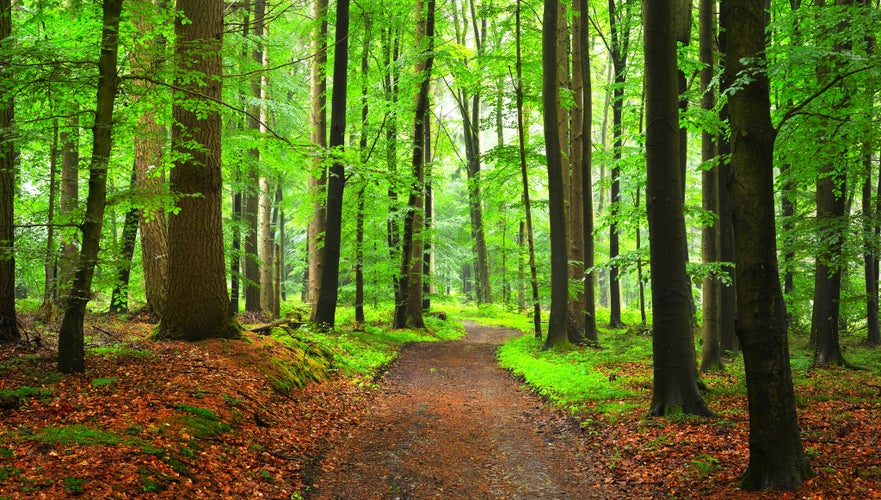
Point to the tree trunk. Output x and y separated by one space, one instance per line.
267 289
577 199
150 177
675 380
47 308
70 160
620 42
318 138
119 296
198 304
8 322
409 314
776 456
873 334
559 317
711 355
325 310
362 146
71 348
527 228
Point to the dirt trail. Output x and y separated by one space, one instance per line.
450 423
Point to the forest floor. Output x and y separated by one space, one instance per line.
202 420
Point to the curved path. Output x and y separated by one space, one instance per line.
448 422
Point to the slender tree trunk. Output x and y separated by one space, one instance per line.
873 335
527 208
198 303
318 137
267 295
711 355
776 456
71 348
559 317
67 262
620 42
119 296
47 308
409 314
390 87
362 145
675 380
325 310
578 302
8 322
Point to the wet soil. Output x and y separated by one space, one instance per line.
448 422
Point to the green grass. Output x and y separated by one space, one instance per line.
77 434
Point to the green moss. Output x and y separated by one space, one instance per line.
76 434
101 382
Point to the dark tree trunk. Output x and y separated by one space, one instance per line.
47 308
776 456
198 303
559 317
119 296
325 310
675 374
527 228
70 160
71 348
873 334
8 321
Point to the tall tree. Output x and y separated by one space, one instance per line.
149 142
8 322
71 346
325 310
777 458
409 314
559 316
675 374
318 138
711 355
254 272
197 305
521 135
119 296
619 22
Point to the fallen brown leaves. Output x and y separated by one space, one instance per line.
202 420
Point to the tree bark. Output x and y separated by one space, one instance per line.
119 296
675 380
559 316
873 329
318 138
776 456
8 322
409 314
527 208
711 355
71 348
198 304
325 310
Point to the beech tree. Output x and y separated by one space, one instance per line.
71 346
198 303
8 321
675 371
777 458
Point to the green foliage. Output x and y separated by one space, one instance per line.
201 422
72 485
120 350
26 392
103 382
77 434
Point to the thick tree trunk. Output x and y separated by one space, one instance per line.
577 199
318 138
198 303
711 355
527 226
776 456
71 348
675 380
325 310
8 321
559 317
150 177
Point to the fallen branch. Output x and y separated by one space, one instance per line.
281 322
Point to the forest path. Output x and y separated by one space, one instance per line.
448 422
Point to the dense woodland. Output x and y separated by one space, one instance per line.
714 165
